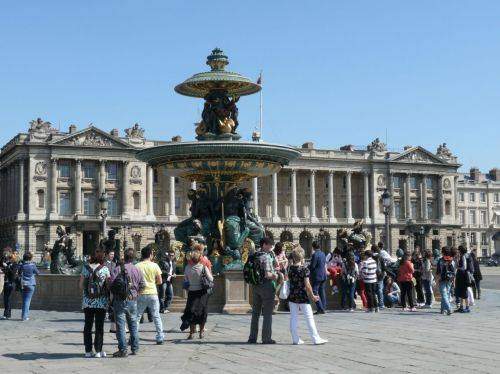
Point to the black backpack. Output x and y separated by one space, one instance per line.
120 288
94 286
447 270
252 270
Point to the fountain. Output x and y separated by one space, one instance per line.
221 211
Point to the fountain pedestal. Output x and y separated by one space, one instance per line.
236 293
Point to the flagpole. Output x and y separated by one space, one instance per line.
260 107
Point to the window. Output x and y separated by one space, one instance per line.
396 182
484 239
176 179
344 182
89 170
64 170
177 203
472 196
461 215
429 182
485 252
482 197
112 205
155 176
435 232
111 171
41 198
447 207
497 197
64 204
414 210
413 183
156 205
326 182
461 197
137 200
397 209
89 204
430 210
498 220
472 217
483 218
473 238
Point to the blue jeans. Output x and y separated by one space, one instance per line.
151 302
391 300
28 292
445 289
348 293
165 295
427 291
380 293
126 312
319 289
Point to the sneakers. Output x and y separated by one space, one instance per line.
100 355
269 342
252 341
426 306
413 309
89 354
300 342
4 318
120 354
320 341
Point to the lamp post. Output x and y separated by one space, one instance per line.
386 202
103 202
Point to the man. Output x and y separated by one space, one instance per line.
165 290
126 310
112 243
263 295
317 267
369 275
148 297
111 265
381 273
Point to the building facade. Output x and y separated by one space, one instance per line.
50 178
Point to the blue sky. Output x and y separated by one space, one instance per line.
335 72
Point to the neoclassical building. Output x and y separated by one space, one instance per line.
50 177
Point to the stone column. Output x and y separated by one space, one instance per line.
391 191
407 197
312 196
78 186
455 197
149 191
125 189
172 217
366 196
331 197
349 197
102 177
255 192
275 217
295 217
440 195
193 185
21 187
374 201
53 187
423 198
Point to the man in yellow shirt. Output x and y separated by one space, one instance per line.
148 297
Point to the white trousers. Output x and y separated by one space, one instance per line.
294 321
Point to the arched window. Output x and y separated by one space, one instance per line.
447 207
41 198
137 200
286 236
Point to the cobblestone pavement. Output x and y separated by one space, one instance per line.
387 342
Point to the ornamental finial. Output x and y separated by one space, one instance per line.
217 60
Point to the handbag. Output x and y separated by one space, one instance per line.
285 290
206 283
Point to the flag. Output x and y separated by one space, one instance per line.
259 80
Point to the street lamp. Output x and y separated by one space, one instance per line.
386 202
103 202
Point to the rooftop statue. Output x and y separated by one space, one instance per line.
376 146
444 152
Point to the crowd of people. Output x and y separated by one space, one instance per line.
125 289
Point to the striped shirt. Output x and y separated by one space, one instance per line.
369 270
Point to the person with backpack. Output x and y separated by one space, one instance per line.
9 267
463 280
126 283
349 276
148 297
445 273
260 273
94 284
27 272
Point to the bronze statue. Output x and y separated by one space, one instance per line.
112 244
63 255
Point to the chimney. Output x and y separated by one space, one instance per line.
475 174
72 129
177 138
495 174
308 145
115 133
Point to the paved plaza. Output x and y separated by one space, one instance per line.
387 342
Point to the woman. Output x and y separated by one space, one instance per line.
334 267
417 261
405 279
392 292
427 278
300 293
445 273
196 309
478 277
94 284
349 277
462 281
280 256
9 267
27 273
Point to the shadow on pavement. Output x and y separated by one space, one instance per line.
29 356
